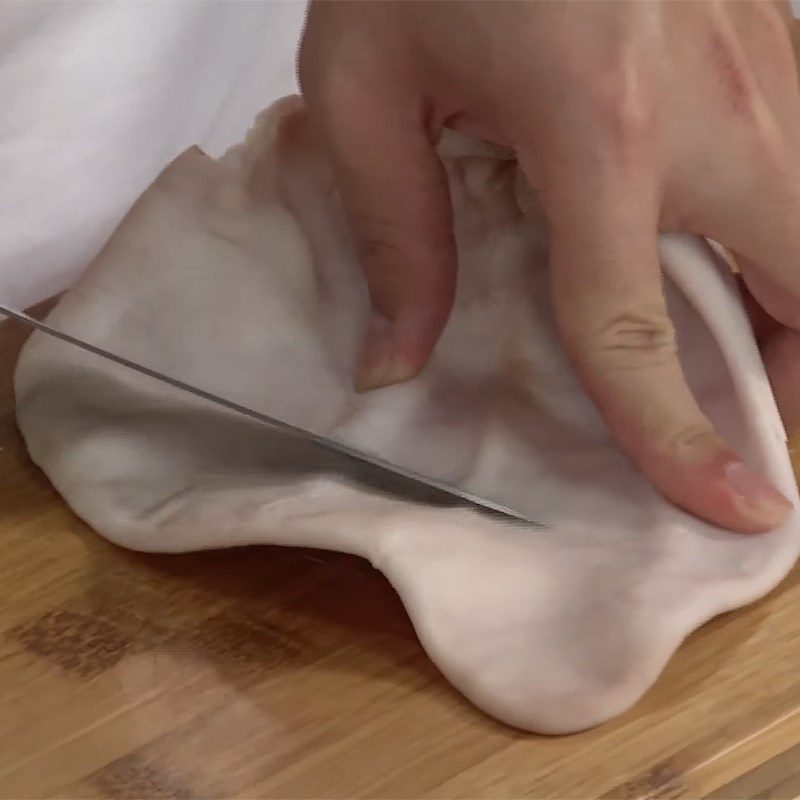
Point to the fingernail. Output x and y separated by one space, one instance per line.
381 362
756 494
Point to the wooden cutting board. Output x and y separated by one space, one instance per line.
276 673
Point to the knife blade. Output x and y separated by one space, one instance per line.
453 492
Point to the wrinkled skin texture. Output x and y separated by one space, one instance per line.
628 118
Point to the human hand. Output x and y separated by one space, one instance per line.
628 118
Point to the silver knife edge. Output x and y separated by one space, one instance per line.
321 441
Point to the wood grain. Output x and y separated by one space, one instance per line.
273 673
270 673
777 779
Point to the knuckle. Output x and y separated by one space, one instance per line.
633 339
383 260
388 289
401 274
735 78
685 441
625 111
377 243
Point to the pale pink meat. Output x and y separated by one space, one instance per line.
239 276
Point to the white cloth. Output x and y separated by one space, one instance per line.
239 276
97 96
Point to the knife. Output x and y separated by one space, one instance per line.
453 493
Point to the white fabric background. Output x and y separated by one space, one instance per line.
97 96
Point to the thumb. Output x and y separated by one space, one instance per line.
395 196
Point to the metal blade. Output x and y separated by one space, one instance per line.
376 462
